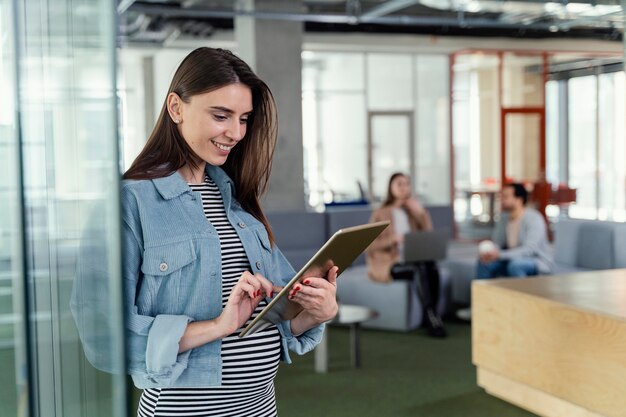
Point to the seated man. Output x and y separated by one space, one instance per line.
520 242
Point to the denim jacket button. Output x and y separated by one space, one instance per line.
242 225
163 267
258 264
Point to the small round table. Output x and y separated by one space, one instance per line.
348 315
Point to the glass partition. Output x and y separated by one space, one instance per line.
389 82
13 378
523 145
65 153
582 145
432 138
522 80
612 149
476 140
385 160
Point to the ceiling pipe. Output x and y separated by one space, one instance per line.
403 20
124 5
141 22
386 8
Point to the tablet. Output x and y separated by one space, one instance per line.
340 250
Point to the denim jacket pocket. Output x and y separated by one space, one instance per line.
165 260
163 268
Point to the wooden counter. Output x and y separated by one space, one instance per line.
553 345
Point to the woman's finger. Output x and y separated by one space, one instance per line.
308 290
309 297
307 301
332 275
251 279
315 282
318 282
266 284
245 288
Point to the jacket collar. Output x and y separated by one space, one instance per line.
174 185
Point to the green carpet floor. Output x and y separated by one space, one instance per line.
403 374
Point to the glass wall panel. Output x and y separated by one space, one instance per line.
344 149
522 80
553 134
391 138
334 126
390 82
476 132
331 71
522 138
582 145
13 378
432 148
612 147
476 137
70 162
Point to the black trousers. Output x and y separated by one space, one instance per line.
426 276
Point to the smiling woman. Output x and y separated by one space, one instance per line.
207 84
212 133
199 255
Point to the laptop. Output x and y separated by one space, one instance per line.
426 246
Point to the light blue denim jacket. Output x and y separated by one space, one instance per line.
172 276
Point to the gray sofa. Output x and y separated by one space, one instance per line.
585 245
299 236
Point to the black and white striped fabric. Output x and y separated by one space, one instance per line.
249 364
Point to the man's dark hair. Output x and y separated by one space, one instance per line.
519 191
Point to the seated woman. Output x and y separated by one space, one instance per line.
385 255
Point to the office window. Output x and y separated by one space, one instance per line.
476 136
612 147
432 137
586 144
334 126
554 150
582 158
390 81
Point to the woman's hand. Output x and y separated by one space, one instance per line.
318 298
243 300
413 205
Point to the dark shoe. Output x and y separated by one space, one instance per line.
434 324
438 332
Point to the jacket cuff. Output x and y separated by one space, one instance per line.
305 342
163 362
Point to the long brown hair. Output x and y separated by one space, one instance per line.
249 163
390 198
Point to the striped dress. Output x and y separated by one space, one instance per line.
249 364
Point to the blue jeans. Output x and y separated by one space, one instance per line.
519 267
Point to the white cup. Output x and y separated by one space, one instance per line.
486 246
